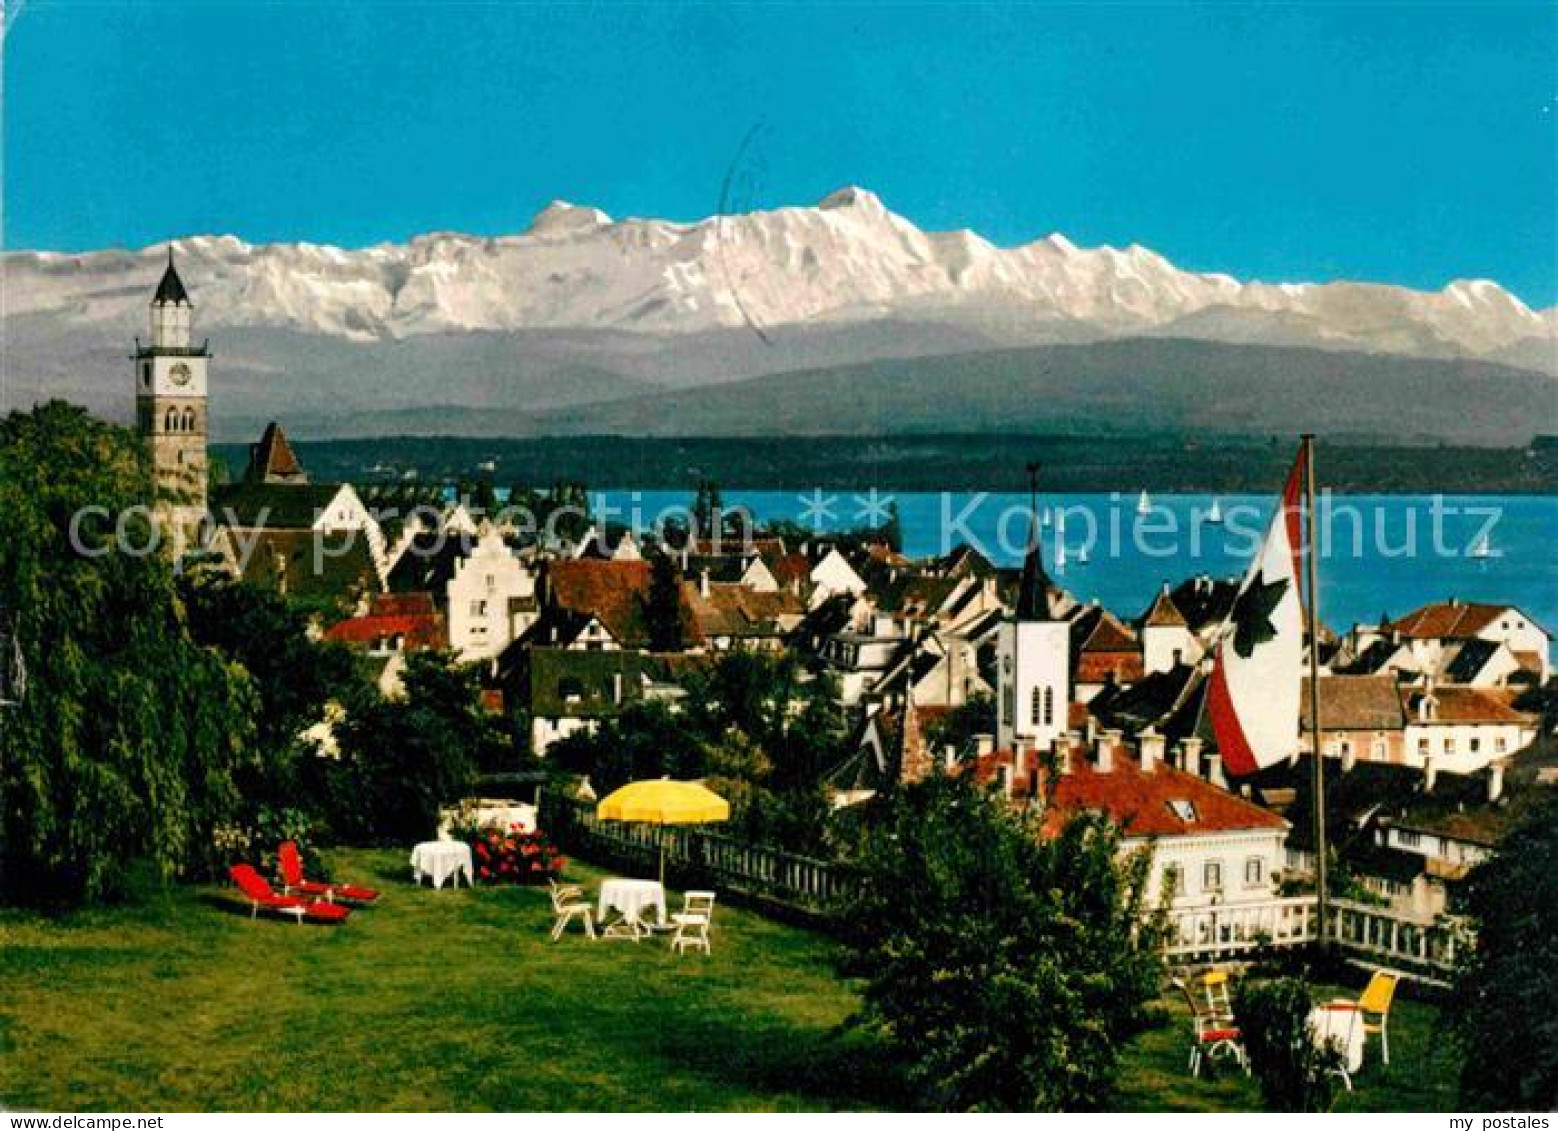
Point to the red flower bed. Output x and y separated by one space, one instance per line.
513 857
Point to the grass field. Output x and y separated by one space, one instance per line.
456 1000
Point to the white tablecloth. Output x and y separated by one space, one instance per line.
1343 1029
439 860
632 898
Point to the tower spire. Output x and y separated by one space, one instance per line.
171 292
1033 588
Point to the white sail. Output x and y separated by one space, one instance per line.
1216 513
1144 504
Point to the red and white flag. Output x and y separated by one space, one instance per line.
1258 668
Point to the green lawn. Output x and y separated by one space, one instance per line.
456 1000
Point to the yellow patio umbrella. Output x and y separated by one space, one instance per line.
663 801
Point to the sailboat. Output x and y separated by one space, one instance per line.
1044 517
1481 549
1144 504
1082 558
1060 557
1215 515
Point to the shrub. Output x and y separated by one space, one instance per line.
512 856
1294 1071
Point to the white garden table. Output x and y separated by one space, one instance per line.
631 899
440 860
1341 1027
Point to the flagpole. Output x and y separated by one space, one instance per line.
1311 550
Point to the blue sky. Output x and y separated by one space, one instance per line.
1402 143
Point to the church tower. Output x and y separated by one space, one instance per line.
170 407
1033 655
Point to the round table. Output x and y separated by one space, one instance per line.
1341 1027
631 898
440 860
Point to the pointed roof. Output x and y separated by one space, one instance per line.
1164 613
171 290
272 459
1033 588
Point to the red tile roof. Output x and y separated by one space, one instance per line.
417 631
1448 619
1460 705
403 604
613 592
1097 667
1141 803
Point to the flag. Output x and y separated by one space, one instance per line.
1257 669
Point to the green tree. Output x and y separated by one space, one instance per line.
663 606
958 727
130 736
1004 971
403 759
1506 997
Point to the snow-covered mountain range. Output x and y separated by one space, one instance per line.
847 261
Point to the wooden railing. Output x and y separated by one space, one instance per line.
817 889
1374 936
811 887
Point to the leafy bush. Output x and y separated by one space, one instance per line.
1506 996
1294 1071
1004 971
512 856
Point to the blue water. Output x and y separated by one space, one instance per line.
1378 554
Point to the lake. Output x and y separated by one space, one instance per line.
1379 553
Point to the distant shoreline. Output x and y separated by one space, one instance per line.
1164 463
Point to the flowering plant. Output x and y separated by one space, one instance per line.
513 856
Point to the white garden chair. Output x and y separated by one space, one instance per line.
693 922
568 904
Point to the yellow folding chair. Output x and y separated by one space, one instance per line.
1373 1006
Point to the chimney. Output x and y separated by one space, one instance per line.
703 582
1430 773
1103 750
1062 745
1214 770
1495 780
1190 755
1150 744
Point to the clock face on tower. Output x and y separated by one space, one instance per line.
180 374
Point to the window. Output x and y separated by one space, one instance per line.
1500 744
1422 747
189 420
1037 706
170 423
1173 880
1212 876
1379 750
1344 747
1049 705
1474 744
1254 872
1408 839
1008 713
1449 744
478 608
1182 808
146 374
492 582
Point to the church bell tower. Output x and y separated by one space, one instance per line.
1033 654
170 408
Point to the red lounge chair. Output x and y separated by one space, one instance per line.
261 894
292 878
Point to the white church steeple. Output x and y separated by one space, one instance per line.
1033 653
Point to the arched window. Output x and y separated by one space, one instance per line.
1049 705
170 423
1036 709
189 420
